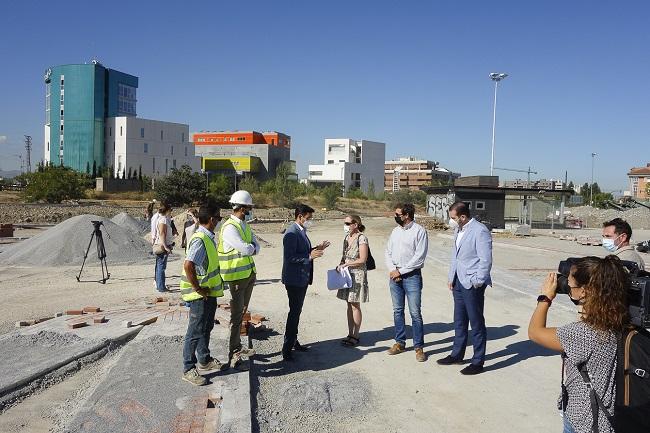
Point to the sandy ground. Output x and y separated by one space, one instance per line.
338 389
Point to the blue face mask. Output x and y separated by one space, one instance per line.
610 244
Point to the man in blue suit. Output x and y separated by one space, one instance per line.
298 273
469 275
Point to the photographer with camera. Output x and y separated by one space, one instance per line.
589 346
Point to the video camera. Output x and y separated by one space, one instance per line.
638 293
97 223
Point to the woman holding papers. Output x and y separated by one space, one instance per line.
355 254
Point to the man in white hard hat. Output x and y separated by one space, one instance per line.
237 246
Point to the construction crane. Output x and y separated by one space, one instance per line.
529 171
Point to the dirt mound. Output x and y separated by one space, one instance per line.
66 243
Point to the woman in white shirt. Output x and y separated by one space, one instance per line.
163 241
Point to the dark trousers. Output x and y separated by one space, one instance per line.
197 338
468 310
296 299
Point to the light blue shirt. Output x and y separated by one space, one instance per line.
196 252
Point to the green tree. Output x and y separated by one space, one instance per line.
356 193
94 174
55 184
220 189
179 187
129 175
249 183
331 194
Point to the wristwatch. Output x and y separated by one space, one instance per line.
544 298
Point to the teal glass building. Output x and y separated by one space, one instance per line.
78 100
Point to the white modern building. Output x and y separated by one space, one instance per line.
352 163
155 147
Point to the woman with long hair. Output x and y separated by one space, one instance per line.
599 286
355 255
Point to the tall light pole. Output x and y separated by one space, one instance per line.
496 77
591 189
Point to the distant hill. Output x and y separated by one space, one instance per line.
9 173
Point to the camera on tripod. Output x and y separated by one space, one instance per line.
101 251
638 292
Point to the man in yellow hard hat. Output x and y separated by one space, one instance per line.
237 246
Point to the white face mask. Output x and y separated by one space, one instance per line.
346 229
452 224
308 224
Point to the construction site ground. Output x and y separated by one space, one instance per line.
135 384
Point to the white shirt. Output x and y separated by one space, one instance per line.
407 248
232 239
156 220
461 233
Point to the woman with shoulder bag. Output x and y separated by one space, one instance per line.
355 255
163 241
589 345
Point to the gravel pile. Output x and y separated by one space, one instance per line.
638 218
128 222
66 244
45 338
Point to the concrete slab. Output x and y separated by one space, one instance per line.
33 357
144 391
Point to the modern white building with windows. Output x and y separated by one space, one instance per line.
351 163
154 147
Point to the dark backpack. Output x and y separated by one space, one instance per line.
632 403
632 409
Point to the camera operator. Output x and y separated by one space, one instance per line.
600 287
616 239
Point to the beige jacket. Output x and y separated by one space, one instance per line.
630 254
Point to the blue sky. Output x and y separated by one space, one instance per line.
413 74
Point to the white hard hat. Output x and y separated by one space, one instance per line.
241 197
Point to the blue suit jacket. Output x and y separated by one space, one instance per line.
297 269
472 260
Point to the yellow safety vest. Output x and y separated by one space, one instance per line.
211 279
233 265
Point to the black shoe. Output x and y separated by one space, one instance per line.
287 356
449 360
299 347
472 369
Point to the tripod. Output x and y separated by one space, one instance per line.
101 251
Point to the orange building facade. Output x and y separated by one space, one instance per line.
639 178
237 138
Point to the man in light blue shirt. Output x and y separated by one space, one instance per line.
405 254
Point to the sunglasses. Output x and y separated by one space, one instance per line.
348 223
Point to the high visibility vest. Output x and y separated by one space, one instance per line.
232 264
211 279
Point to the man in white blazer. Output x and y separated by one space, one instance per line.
469 275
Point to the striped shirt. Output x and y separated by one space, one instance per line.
196 252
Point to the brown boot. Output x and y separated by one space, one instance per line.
396 349
420 356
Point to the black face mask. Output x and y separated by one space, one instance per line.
576 301
399 221
247 212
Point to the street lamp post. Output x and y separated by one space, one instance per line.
591 188
496 77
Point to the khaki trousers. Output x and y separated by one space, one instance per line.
240 293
